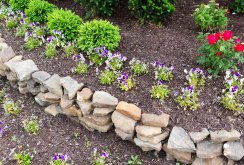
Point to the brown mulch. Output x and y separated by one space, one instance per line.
174 43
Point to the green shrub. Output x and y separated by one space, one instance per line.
238 6
98 7
107 77
19 4
211 16
65 21
97 33
38 10
151 10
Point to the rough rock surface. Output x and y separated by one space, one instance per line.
103 99
53 85
233 150
211 161
155 120
52 110
147 146
91 126
123 135
155 139
148 131
129 110
40 76
199 136
223 135
208 149
84 95
102 111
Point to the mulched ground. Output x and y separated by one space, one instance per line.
174 43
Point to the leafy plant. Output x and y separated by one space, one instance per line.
163 72
160 91
31 126
70 49
134 160
233 92
151 10
238 6
195 77
38 10
125 82
96 33
115 61
98 7
99 160
50 51
11 107
138 67
11 23
19 5
32 43
21 30
107 77
211 16
65 21
98 55
59 159
220 51
23 158
81 66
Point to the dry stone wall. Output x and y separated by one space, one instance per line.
101 111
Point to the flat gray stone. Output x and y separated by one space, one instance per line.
8 66
147 146
53 85
211 161
199 136
223 135
207 149
33 87
91 126
155 139
103 99
66 102
123 135
85 107
41 100
180 140
233 150
148 131
71 86
52 110
102 111
6 54
123 123
155 120
84 95
40 76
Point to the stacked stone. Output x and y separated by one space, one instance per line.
125 118
99 117
208 150
152 131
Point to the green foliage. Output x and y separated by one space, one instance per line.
163 73
238 6
188 99
127 84
211 16
98 7
38 10
65 21
11 107
11 23
50 51
151 10
19 5
70 50
23 158
97 33
134 160
21 30
31 126
160 92
2 95
107 77
32 43
81 68
138 67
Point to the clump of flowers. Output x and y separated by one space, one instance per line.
160 91
138 67
98 55
163 72
11 107
189 96
233 92
81 66
59 159
100 160
11 20
115 61
23 158
107 77
220 51
23 26
125 82
32 41
31 125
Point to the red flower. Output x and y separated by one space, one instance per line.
212 39
227 35
218 53
219 35
239 47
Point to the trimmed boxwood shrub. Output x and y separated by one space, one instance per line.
38 10
19 4
98 7
151 10
66 21
97 33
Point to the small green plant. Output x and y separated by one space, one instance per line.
23 158
160 91
21 30
32 43
150 10
70 49
107 77
138 67
19 5
95 33
2 17
115 61
134 160
125 82
59 159
38 10
11 107
2 95
98 7
81 66
238 6
65 21
99 160
31 126
50 51
163 72
211 16
11 23
98 56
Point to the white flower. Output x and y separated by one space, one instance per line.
185 71
242 80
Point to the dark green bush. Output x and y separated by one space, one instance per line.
65 21
97 33
238 6
98 7
38 10
19 4
151 10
